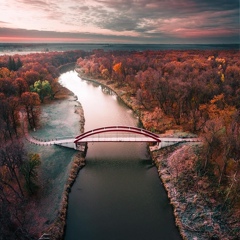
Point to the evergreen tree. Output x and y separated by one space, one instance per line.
19 64
12 64
9 63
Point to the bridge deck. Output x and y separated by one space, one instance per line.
117 139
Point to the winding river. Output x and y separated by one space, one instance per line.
118 194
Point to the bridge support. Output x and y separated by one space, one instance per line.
66 144
81 146
164 144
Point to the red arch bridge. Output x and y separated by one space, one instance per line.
118 134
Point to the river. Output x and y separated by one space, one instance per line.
118 194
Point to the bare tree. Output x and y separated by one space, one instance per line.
12 157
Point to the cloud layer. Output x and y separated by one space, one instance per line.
141 21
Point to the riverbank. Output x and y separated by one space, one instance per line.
62 116
197 213
57 228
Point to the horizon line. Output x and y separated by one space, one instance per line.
104 43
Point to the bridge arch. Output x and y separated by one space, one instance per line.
124 129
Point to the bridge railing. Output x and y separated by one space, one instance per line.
53 139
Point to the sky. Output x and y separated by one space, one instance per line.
120 21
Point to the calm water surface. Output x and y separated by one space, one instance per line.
118 194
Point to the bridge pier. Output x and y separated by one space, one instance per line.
164 144
81 146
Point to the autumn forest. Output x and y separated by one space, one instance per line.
195 91
25 82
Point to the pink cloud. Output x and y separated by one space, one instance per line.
199 33
142 20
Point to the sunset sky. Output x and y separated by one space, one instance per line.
120 21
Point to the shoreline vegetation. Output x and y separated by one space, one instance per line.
30 182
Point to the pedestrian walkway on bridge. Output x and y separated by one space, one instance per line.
107 134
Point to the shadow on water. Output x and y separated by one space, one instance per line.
147 163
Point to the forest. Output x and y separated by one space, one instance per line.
196 91
26 81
